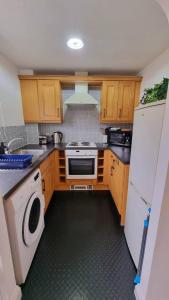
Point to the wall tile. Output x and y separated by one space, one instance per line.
81 122
32 133
10 132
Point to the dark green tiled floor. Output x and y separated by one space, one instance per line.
83 253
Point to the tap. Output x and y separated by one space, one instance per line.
8 150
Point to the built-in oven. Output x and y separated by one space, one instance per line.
81 164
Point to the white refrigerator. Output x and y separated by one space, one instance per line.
148 122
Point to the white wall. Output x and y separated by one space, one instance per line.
11 113
155 72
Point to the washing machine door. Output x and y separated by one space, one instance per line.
33 218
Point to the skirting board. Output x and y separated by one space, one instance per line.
67 187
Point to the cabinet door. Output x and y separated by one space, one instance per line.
109 104
111 162
54 166
30 100
126 101
47 169
47 185
49 100
118 178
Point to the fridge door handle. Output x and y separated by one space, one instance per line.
146 203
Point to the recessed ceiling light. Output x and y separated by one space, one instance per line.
75 43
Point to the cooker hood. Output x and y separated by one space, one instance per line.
81 95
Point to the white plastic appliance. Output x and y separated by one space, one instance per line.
81 160
148 121
25 220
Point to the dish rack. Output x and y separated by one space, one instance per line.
15 161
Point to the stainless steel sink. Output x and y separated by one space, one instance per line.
34 152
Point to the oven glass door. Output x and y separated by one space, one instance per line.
81 167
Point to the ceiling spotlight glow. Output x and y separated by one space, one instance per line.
75 43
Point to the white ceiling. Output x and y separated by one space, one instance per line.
119 35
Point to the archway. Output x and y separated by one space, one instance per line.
165 6
156 265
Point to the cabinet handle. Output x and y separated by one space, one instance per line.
145 202
43 185
111 172
104 113
112 168
120 112
58 112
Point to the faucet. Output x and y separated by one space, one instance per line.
10 142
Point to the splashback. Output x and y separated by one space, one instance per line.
81 122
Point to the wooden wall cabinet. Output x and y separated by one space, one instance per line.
126 101
109 101
41 96
49 101
30 101
118 101
41 100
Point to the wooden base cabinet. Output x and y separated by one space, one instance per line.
117 180
113 176
47 169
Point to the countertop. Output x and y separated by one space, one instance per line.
11 179
122 153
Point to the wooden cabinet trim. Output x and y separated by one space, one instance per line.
95 79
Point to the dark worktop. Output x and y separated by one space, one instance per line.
122 153
11 179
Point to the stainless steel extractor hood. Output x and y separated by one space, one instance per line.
81 95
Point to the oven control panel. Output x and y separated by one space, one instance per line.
81 152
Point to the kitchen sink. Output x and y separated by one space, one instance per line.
34 152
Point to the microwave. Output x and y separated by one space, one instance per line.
119 137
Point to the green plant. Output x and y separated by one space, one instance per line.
158 92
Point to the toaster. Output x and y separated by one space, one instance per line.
45 139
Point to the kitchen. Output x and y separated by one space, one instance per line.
81 155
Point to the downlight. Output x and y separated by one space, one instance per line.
75 43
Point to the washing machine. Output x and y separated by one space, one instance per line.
25 221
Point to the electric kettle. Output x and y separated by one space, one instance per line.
57 137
